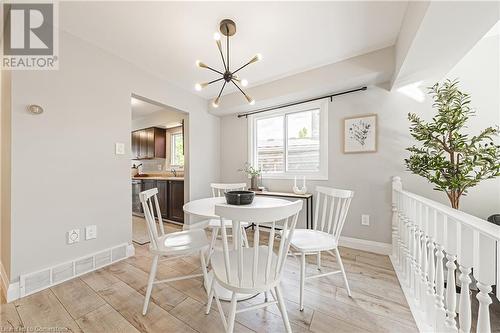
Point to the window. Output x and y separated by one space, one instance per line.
290 142
177 150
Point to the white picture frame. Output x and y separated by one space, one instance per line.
360 134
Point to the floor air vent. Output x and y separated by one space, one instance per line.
36 281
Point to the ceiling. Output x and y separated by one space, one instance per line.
142 109
166 38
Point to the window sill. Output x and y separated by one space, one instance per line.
292 177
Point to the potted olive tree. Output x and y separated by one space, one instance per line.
447 157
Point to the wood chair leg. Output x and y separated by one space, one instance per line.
318 260
343 272
302 279
232 314
282 307
151 279
215 233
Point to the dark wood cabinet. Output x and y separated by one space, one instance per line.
135 144
148 184
170 197
175 200
162 186
149 143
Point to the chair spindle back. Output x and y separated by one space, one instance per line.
331 209
218 189
258 265
149 200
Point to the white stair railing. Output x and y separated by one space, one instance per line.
431 243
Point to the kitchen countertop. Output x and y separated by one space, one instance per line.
158 178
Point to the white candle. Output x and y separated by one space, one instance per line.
303 181
295 181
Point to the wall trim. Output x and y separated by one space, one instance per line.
15 290
366 245
9 290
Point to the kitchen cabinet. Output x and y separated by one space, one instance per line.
170 197
162 186
149 143
175 200
135 143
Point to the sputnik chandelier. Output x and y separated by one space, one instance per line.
227 28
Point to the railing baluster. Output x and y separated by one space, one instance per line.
451 295
418 251
484 264
452 237
424 234
424 266
440 310
431 292
465 317
483 319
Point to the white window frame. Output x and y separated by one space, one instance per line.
322 174
172 150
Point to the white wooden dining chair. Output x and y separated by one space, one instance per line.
169 246
254 269
333 205
218 190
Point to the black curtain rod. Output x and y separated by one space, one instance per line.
246 114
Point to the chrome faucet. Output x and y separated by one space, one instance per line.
174 172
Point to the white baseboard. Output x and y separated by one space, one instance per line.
9 290
13 290
366 245
130 250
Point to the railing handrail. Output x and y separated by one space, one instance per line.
482 226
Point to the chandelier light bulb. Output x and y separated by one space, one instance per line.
197 87
200 64
215 103
244 82
217 36
250 100
255 58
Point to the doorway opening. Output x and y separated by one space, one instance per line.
159 160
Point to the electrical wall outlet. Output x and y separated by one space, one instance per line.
73 236
119 148
365 219
90 232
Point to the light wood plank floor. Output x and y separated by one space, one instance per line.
110 300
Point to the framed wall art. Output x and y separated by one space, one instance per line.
360 134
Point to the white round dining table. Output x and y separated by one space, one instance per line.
206 208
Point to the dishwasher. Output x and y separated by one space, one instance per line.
136 202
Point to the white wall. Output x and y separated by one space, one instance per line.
65 174
369 175
5 173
